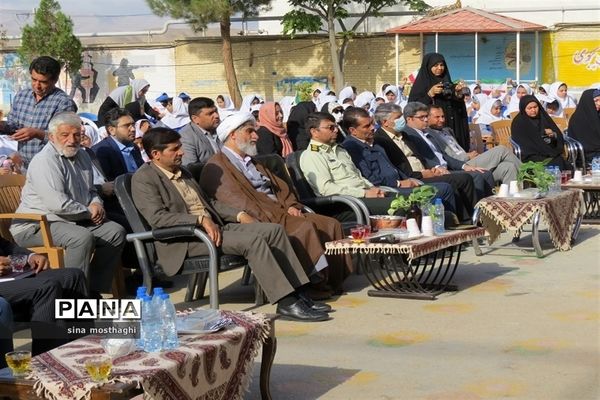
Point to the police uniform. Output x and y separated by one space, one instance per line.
330 171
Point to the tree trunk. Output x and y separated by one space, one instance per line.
232 82
338 74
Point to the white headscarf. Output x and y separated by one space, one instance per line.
513 105
91 130
138 129
363 99
178 117
232 122
286 103
346 93
124 95
485 112
567 102
247 101
229 106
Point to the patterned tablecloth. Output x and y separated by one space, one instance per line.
414 248
207 366
558 210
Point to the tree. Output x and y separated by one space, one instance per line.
51 35
314 16
199 13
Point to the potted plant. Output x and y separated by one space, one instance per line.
413 204
534 172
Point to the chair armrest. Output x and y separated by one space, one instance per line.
33 217
360 210
41 218
516 148
174 232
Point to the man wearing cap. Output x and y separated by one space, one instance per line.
199 137
167 195
235 178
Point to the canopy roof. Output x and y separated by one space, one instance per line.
464 20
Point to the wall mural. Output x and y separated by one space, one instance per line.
100 73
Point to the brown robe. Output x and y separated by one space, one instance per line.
221 180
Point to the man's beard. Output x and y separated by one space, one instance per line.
247 148
68 151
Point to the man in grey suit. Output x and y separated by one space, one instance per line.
199 138
500 160
167 195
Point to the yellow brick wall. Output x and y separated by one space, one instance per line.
264 66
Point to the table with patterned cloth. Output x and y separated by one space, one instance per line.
561 212
203 366
591 198
420 268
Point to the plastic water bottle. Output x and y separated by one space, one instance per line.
141 293
596 170
151 330
438 216
156 300
557 179
169 326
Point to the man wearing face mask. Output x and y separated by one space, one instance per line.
402 155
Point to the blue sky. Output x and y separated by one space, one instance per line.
87 15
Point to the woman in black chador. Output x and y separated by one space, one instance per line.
433 85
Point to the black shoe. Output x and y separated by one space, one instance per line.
299 311
315 305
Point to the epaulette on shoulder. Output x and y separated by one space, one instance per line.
314 147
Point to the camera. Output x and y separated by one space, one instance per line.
447 89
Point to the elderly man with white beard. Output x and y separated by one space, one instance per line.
60 185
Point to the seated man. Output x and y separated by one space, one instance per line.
235 179
60 185
416 115
500 160
117 153
374 164
329 169
33 297
167 195
199 137
400 152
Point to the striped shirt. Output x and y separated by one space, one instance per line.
26 112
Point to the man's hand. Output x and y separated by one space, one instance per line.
294 212
246 218
408 183
38 262
108 188
428 173
212 230
472 154
470 168
374 192
25 134
439 171
5 268
97 213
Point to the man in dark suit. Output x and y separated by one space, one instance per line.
199 138
402 154
117 153
167 195
416 115
374 164
32 298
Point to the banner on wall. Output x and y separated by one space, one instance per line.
578 62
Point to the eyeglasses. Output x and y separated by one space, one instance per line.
421 117
330 127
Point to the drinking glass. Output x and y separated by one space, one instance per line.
98 368
358 233
565 176
18 262
19 362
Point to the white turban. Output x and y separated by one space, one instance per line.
232 122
